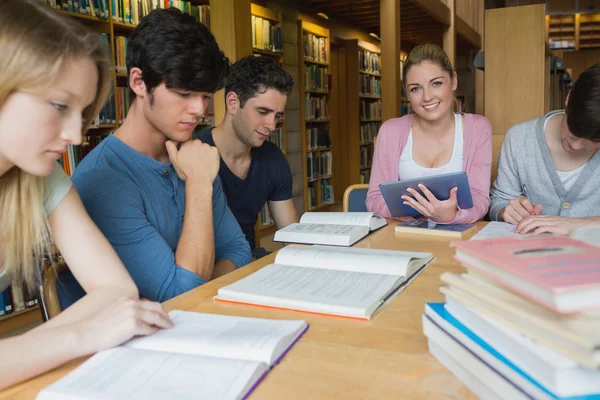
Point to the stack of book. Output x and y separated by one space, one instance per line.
523 321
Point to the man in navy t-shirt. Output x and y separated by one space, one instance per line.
254 171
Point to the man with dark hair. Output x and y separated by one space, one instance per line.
153 192
549 168
254 170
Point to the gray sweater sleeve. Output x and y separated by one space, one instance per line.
508 183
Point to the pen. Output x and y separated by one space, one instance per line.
524 187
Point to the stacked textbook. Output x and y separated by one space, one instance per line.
523 321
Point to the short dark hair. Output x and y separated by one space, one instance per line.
255 74
583 117
172 47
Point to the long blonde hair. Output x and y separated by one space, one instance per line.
36 42
432 53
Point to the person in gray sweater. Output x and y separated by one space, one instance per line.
549 167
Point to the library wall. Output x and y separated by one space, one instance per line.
579 61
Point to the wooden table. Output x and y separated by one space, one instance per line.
385 358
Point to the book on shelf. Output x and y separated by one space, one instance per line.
316 78
426 227
331 228
560 273
265 35
315 48
217 356
368 61
370 110
347 282
326 190
315 107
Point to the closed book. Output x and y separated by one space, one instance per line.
425 227
560 273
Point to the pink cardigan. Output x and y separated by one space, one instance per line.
392 137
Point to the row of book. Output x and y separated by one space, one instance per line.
16 298
370 85
326 192
366 156
315 107
316 78
368 130
277 137
265 216
370 109
521 322
122 102
74 154
368 61
94 8
315 48
365 176
132 11
318 138
312 197
319 165
266 36
121 53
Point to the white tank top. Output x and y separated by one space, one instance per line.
409 169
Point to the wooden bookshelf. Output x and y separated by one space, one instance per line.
317 149
573 31
363 90
263 45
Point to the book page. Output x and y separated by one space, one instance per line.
144 375
217 335
322 229
337 218
312 289
388 262
495 229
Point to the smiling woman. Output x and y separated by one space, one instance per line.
433 140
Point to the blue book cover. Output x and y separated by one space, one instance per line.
441 312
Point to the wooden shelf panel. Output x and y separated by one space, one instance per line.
312 91
314 121
123 27
369 97
85 17
267 52
370 120
369 73
19 319
311 61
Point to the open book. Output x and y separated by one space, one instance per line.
204 356
349 282
331 228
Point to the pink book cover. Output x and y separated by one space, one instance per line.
557 264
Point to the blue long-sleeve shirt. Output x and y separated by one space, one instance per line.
138 203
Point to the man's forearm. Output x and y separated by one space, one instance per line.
223 267
196 251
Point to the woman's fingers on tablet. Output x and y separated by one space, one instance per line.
427 193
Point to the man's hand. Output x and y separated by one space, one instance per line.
194 160
537 224
434 209
519 209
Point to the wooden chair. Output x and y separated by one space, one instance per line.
355 197
48 299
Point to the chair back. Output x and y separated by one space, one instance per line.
49 302
355 197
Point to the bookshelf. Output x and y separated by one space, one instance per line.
363 69
267 41
115 26
573 31
317 149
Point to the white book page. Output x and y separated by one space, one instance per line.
337 218
312 289
125 373
495 229
323 229
388 262
217 335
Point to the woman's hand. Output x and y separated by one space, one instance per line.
122 320
434 209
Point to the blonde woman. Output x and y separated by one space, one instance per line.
54 78
433 140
